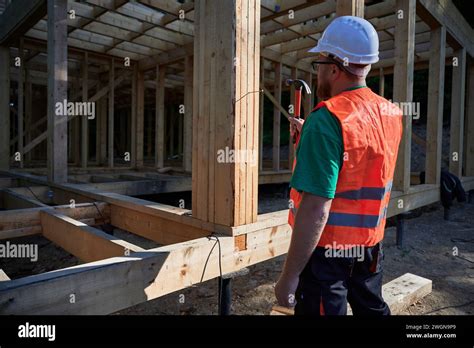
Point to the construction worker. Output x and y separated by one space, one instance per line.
340 188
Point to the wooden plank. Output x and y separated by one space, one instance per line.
469 131
277 118
457 113
434 123
399 294
24 222
5 108
350 8
291 146
160 117
275 103
111 116
160 230
117 283
83 241
14 200
188 113
57 90
403 86
84 120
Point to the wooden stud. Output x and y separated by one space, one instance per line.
434 122
277 117
140 117
381 83
457 112
28 111
188 113
84 120
21 103
160 117
133 119
403 85
57 90
5 108
291 146
469 131
110 124
261 114
350 8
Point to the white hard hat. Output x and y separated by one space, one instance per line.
351 39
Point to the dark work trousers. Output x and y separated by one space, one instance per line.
328 282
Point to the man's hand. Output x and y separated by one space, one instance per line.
296 124
285 290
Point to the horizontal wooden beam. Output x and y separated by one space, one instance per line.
26 222
85 242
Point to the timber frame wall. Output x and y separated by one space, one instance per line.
215 57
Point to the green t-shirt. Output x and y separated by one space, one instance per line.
319 154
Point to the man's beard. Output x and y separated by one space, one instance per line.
323 90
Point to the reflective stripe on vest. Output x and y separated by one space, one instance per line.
372 193
356 220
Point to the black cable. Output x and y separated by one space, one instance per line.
218 242
36 197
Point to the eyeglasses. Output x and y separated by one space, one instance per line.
315 64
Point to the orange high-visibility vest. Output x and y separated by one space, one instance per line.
371 132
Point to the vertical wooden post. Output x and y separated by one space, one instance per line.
84 120
403 85
291 146
28 112
261 114
457 112
350 8
133 118
111 114
277 117
434 122
140 117
21 103
381 83
5 108
469 144
188 113
160 117
103 130
225 117
57 90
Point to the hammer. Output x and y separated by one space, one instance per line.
298 84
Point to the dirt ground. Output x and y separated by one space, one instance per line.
428 252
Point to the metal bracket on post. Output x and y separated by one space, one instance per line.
225 290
